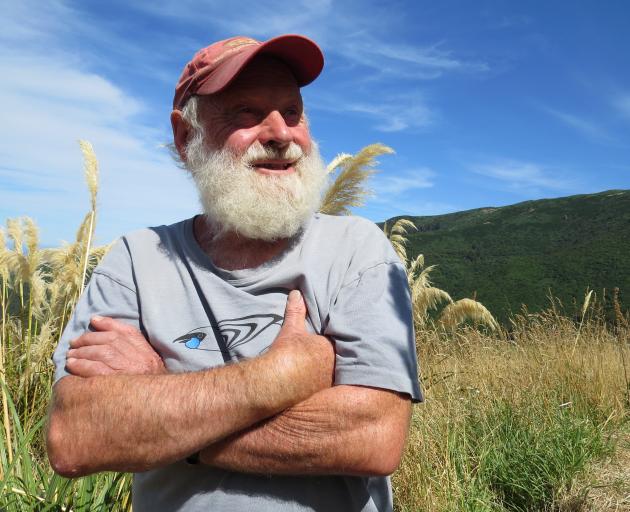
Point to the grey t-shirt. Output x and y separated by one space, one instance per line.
198 316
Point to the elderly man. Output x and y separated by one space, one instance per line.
257 357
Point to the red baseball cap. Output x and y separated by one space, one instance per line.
214 67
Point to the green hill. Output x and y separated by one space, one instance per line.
516 254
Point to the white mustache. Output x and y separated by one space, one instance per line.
257 152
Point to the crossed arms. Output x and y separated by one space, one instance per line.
277 413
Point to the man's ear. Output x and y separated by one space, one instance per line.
181 130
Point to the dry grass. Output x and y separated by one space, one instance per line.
536 373
605 486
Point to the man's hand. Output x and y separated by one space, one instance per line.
114 348
294 343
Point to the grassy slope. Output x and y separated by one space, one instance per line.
515 254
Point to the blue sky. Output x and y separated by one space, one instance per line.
486 103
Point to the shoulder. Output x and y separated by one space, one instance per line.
350 234
140 246
155 235
349 227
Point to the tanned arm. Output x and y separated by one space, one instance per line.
137 422
348 430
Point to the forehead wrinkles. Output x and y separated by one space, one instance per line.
263 77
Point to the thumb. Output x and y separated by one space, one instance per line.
295 312
105 323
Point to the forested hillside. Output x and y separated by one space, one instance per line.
518 254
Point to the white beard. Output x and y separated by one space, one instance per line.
236 198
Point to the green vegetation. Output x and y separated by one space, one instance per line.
522 254
520 424
518 421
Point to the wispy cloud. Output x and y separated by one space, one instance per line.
400 182
397 192
408 62
393 113
585 127
352 30
523 176
52 99
621 103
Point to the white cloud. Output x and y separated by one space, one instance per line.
396 193
47 105
391 113
358 32
404 61
523 175
381 211
587 128
621 103
400 182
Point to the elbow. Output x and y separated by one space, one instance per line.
383 463
63 442
60 450
67 453
384 448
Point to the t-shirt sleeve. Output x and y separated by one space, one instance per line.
371 323
110 292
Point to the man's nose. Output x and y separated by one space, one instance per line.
274 129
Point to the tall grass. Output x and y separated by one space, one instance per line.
39 289
513 419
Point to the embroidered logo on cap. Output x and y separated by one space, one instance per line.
239 41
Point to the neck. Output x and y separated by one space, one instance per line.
230 251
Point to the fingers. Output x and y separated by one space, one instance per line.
87 368
102 353
91 338
295 312
129 333
104 323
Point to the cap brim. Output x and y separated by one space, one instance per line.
302 55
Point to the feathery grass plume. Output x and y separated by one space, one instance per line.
620 318
397 235
587 300
31 236
91 176
339 160
349 188
91 170
424 296
14 231
467 309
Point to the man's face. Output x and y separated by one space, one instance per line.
256 168
262 105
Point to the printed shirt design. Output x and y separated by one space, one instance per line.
234 332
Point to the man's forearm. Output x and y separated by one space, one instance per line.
342 430
136 422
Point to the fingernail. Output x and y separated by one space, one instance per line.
70 360
97 318
294 295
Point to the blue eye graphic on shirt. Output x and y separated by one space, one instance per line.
234 331
191 339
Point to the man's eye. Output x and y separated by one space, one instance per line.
292 115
